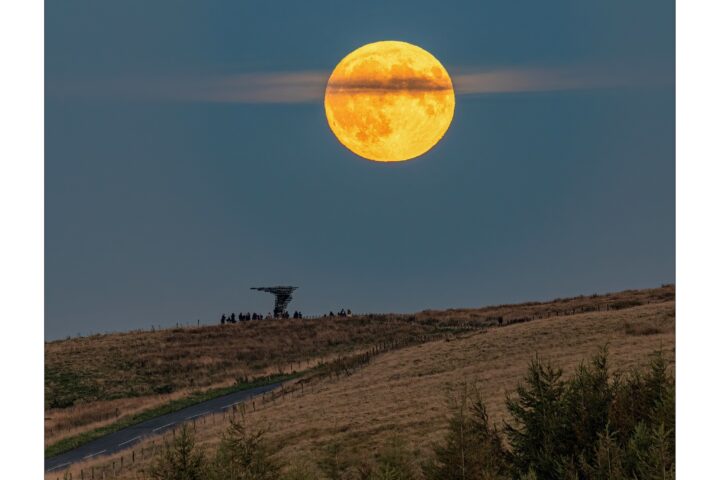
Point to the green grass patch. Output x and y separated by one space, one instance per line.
67 444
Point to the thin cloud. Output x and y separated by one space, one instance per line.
394 84
511 80
309 86
282 87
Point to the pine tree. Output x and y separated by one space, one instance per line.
538 422
243 454
607 461
586 406
651 454
180 459
472 450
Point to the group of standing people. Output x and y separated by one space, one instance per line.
243 317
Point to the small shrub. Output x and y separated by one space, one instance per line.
243 454
163 389
180 459
472 449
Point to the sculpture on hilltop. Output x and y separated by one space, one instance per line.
283 295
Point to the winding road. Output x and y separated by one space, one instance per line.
127 437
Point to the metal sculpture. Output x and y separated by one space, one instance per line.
283 295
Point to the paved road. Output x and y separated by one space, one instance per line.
127 437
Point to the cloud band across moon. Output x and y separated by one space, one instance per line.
411 84
309 86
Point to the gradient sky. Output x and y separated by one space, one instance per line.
168 197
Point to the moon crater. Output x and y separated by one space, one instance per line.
389 101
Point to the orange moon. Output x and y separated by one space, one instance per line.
389 101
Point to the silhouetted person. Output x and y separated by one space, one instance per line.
232 317
222 319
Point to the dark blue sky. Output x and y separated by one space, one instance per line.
161 209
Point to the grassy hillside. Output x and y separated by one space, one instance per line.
405 391
122 365
91 382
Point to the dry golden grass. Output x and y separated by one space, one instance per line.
109 377
65 422
404 392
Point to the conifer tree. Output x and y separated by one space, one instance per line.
651 454
180 459
585 408
472 450
538 422
243 454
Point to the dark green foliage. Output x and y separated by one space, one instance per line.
586 402
473 449
651 454
539 421
647 397
65 387
243 454
591 426
180 459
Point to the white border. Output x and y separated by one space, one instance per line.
22 237
698 239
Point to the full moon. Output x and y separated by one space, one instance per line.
389 101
